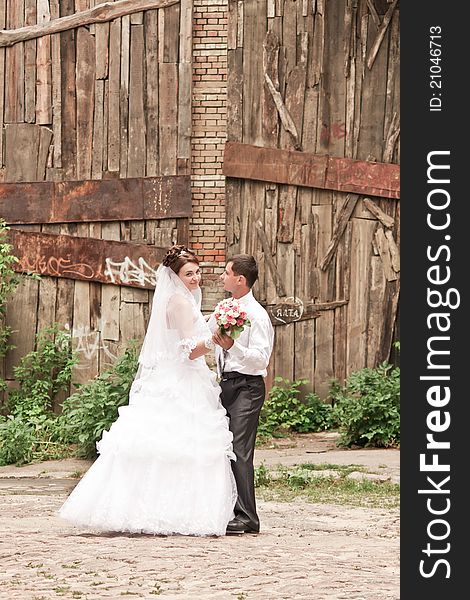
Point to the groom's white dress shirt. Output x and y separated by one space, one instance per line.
252 350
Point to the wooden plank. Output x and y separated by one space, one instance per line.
295 91
22 142
185 68
133 232
342 219
281 291
56 91
29 64
151 91
333 83
132 322
392 107
311 170
47 293
235 77
360 260
101 50
380 34
136 151
124 95
305 352
343 282
97 163
232 22
240 21
95 288
393 250
75 201
44 70
168 196
375 321
110 294
323 222
170 40
21 316
389 311
184 117
101 13
85 88
384 251
168 128
270 118
373 101
286 213
285 343
113 112
385 219
68 96
252 15
86 259
43 157
14 68
2 84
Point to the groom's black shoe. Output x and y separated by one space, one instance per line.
237 526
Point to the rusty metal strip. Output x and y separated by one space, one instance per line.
96 200
245 161
86 259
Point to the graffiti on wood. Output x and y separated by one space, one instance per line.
55 267
87 259
128 273
88 344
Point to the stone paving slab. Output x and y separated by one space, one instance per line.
304 551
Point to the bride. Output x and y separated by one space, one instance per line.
164 465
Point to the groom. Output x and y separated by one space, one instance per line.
243 363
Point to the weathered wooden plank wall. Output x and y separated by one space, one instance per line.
327 85
94 102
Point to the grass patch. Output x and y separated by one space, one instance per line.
285 484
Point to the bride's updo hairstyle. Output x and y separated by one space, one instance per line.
177 256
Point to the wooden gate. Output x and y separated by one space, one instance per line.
312 176
95 122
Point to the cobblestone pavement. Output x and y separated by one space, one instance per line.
305 551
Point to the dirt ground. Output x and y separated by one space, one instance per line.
304 551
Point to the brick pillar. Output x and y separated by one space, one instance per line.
209 127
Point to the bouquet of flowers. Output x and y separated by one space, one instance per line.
231 318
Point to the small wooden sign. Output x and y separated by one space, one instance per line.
288 310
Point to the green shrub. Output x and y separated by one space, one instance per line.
94 407
367 407
284 412
28 433
8 283
43 373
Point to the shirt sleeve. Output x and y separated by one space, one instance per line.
258 352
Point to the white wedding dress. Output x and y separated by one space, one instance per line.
164 465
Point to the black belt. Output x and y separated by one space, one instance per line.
233 374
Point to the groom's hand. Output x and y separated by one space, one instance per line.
222 340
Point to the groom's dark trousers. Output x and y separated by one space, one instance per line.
242 397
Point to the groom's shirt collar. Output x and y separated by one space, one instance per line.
247 297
